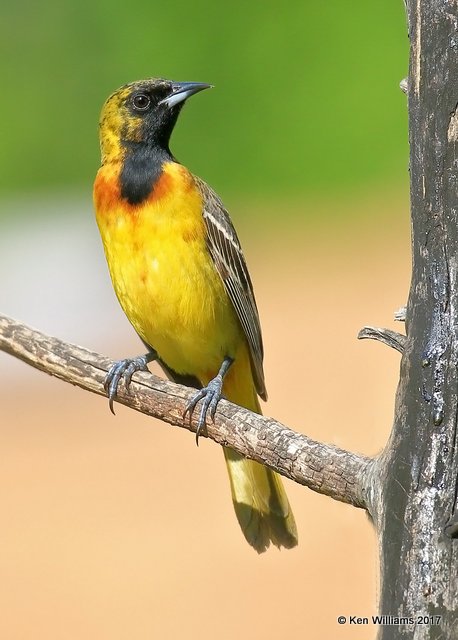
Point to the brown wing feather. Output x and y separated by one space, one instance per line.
224 247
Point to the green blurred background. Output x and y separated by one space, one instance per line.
306 94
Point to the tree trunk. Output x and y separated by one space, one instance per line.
414 483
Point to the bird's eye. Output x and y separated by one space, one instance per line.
141 102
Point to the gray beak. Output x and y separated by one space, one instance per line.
181 91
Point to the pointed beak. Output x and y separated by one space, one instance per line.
181 91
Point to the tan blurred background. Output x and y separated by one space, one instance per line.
113 528
119 527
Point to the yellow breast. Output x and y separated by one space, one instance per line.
162 273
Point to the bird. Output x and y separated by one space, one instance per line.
180 275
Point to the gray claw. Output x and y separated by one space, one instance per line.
122 369
211 395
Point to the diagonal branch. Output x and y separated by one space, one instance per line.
324 468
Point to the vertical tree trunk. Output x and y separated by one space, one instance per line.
415 495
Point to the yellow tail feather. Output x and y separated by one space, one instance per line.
260 503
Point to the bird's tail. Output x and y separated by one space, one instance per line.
260 501
261 504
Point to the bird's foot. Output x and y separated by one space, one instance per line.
124 369
210 396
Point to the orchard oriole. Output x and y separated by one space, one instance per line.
180 276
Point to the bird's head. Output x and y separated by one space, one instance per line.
142 113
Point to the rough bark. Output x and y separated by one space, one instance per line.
415 480
321 467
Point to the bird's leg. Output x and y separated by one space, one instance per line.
125 369
211 395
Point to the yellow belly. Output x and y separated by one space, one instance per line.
166 281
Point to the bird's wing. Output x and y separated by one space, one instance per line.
224 247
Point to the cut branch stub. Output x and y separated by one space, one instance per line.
386 336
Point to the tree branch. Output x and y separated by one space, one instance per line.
324 468
391 338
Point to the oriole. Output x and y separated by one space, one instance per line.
180 276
